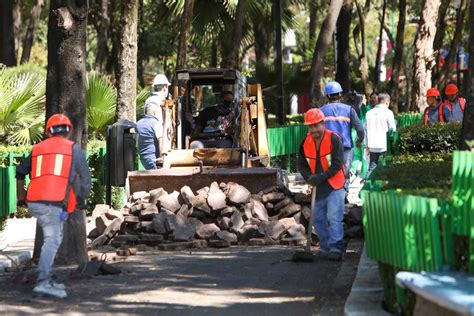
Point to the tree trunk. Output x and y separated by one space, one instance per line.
127 71
30 32
102 35
231 45
17 25
398 58
378 56
263 40
186 18
65 93
141 42
313 20
213 63
322 44
114 34
423 58
439 37
359 40
467 133
7 35
453 50
342 36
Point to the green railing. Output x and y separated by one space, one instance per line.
7 191
403 230
286 140
462 192
408 119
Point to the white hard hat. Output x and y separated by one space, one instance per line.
160 79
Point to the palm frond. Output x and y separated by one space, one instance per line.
101 98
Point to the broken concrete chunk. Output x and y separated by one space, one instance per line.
219 243
184 211
227 236
158 223
187 194
274 230
259 211
287 222
247 210
289 210
99 209
184 233
93 234
238 194
293 241
278 206
200 203
99 241
206 231
273 197
216 198
113 227
249 232
170 201
297 230
203 191
306 212
131 219
228 211
136 208
223 222
156 194
139 195
172 222
256 242
113 214
253 221
302 198
147 214
101 223
236 221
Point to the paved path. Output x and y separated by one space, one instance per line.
233 281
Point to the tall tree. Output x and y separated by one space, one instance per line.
378 56
30 31
467 133
186 18
358 34
16 25
7 34
453 50
423 59
102 35
440 34
398 58
322 44
342 38
127 71
231 44
65 93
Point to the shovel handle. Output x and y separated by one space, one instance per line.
310 224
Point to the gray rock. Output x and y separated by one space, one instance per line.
147 214
101 223
207 231
273 197
99 209
289 210
216 198
228 236
259 211
238 194
170 201
187 194
184 233
278 206
297 230
158 223
236 221
249 232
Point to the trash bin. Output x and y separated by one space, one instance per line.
121 151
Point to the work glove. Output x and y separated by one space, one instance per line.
81 203
316 179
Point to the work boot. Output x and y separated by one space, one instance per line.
47 289
58 285
334 256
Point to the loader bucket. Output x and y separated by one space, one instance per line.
254 179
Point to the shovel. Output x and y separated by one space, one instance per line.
306 255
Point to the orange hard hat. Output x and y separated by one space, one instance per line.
313 116
57 120
433 92
451 89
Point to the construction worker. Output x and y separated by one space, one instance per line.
160 86
150 131
454 102
379 121
60 182
321 163
340 118
435 112
212 126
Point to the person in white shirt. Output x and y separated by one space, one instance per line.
379 121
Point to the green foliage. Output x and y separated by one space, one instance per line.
285 162
22 97
432 138
3 223
101 100
426 174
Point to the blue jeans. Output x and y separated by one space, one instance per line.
148 162
48 217
348 157
328 215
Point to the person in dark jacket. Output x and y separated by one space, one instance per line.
60 182
320 162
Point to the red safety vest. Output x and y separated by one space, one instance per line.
51 162
462 104
440 113
325 149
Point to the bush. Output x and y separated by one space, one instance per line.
426 174
431 138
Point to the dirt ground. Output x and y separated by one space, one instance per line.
231 281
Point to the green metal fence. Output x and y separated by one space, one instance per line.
408 119
403 230
286 140
462 192
7 191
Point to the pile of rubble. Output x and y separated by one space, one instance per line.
217 216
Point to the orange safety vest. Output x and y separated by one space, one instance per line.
51 163
325 149
440 113
462 104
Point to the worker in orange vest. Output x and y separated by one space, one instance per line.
436 112
454 102
321 163
60 182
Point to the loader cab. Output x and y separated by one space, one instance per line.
203 116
